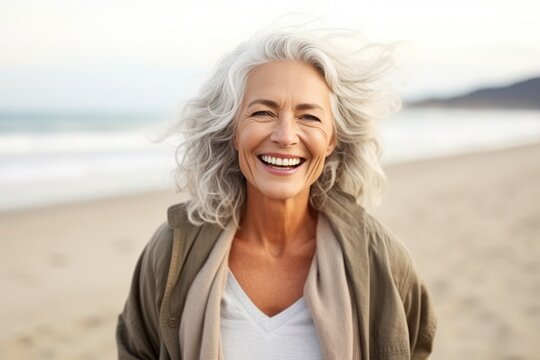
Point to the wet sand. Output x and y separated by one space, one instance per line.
472 223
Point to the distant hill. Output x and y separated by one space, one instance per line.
521 95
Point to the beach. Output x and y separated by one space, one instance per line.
471 223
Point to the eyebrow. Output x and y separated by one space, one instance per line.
273 104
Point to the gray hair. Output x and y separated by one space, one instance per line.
208 169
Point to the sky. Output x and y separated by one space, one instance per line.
149 55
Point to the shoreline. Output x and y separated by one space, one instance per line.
470 222
178 197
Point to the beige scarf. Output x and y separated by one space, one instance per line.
325 292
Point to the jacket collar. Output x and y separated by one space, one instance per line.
177 216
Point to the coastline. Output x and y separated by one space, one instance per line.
469 220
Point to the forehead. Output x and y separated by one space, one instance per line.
284 80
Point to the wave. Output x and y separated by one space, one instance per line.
69 142
41 168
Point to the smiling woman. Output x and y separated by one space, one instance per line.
273 256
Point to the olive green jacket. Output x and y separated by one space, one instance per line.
394 314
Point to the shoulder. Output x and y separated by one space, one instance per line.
385 251
389 249
181 240
391 256
345 213
161 242
157 251
381 237
157 254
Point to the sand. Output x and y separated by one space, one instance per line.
471 222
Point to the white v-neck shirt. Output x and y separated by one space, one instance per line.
249 334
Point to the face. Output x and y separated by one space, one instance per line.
284 130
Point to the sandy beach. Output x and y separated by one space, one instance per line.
471 222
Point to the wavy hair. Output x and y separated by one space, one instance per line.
208 169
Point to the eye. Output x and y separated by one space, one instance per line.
261 113
310 117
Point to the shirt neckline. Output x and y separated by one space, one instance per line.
268 323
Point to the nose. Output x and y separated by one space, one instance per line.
286 131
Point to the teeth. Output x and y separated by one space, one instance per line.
279 161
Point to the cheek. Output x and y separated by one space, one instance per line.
251 133
247 138
240 133
239 127
243 138
319 140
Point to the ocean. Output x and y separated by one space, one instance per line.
52 158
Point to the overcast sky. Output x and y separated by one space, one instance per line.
147 55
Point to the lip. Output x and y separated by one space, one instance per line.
283 156
280 170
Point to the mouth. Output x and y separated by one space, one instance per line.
281 163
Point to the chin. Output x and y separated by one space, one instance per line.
280 196
283 193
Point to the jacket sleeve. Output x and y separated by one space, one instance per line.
417 307
137 331
421 319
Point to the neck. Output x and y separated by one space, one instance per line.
277 225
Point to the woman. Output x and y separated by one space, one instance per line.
273 257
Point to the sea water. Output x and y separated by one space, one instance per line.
53 158
426 133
